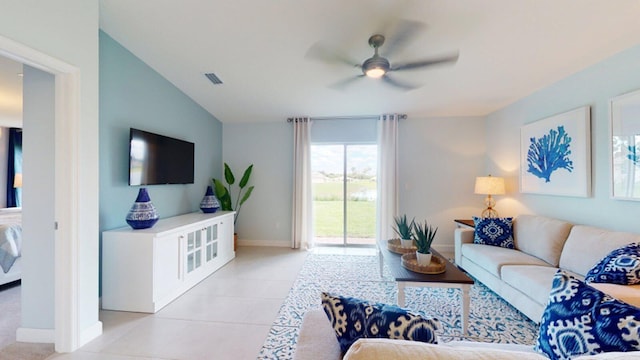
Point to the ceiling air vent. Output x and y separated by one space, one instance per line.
213 78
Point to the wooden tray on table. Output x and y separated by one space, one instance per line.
437 265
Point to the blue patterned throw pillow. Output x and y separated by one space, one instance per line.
493 231
581 320
353 319
621 266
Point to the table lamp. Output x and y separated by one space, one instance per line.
489 185
17 180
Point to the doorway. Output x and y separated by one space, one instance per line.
344 191
66 332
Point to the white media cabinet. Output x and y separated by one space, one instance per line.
144 270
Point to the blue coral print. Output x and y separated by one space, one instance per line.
633 155
549 153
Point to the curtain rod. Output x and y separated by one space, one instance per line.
361 117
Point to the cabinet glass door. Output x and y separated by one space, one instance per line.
190 252
211 242
194 250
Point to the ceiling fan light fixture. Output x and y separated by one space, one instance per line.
375 73
375 67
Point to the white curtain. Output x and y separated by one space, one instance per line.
387 202
302 219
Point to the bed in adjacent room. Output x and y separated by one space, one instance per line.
10 245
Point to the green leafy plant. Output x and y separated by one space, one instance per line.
424 235
403 227
224 192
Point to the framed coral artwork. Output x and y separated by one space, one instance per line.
555 155
625 146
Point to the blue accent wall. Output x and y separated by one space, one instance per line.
134 95
594 86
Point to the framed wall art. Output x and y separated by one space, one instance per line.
555 155
625 146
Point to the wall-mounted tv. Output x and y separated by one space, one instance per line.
156 159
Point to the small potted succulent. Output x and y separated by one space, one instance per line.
424 234
404 230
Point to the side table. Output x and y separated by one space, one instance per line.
464 223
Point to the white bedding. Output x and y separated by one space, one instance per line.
10 245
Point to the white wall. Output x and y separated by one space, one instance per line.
68 30
439 160
266 217
594 86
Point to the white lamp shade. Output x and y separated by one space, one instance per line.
489 185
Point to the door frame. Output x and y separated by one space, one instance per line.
66 237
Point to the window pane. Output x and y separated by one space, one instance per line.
327 168
361 194
331 181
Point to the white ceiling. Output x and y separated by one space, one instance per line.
508 49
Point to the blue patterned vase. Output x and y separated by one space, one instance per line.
209 203
143 214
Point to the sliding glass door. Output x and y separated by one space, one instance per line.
344 193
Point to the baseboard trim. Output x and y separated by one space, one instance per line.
445 249
268 243
442 248
31 335
90 333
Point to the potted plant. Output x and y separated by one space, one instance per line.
224 193
424 235
404 230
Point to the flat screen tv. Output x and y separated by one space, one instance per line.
156 159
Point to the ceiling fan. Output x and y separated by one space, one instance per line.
379 67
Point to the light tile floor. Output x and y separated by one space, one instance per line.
226 316
9 313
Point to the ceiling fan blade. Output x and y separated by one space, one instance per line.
403 86
320 52
404 31
427 62
341 85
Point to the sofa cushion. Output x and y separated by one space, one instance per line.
541 237
493 258
625 293
353 319
532 280
582 320
385 349
587 245
493 231
621 266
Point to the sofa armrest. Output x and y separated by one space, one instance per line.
461 236
317 340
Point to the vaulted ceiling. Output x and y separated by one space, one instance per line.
507 50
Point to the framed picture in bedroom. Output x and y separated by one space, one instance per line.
624 112
555 155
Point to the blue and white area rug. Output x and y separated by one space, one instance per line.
491 319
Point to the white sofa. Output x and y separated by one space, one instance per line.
523 276
317 340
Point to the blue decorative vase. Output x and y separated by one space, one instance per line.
209 203
143 214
